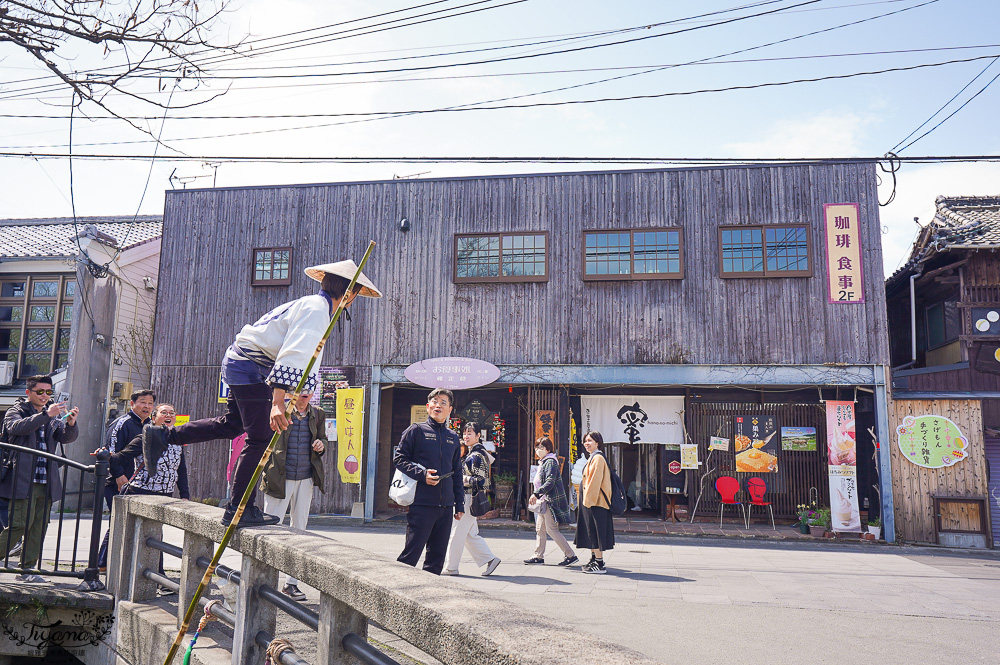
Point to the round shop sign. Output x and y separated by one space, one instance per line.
452 373
931 441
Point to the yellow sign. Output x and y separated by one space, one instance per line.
418 413
843 252
180 420
350 414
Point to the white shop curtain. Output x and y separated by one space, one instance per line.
634 419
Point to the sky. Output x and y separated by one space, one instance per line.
672 47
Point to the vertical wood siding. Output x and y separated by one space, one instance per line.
912 485
205 294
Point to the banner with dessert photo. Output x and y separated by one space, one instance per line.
756 444
843 465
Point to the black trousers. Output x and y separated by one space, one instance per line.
428 526
248 410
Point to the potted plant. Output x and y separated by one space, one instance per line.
875 527
805 512
820 522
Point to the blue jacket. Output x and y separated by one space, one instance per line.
431 445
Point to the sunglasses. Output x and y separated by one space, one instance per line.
43 392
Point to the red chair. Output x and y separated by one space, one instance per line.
727 487
757 487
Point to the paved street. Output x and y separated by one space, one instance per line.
700 600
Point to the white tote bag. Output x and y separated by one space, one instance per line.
402 489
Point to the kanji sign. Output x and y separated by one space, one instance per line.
350 413
545 424
843 252
932 442
452 373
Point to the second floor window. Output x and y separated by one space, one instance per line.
633 254
765 251
272 267
501 257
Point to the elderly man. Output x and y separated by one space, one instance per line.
429 453
33 484
293 469
267 359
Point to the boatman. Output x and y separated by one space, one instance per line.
267 360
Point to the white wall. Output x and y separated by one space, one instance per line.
136 309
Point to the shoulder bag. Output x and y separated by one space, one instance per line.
402 489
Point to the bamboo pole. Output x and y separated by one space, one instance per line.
207 577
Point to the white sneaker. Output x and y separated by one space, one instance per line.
491 566
449 573
30 578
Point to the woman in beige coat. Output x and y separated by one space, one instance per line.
594 526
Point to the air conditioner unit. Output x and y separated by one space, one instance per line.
6 372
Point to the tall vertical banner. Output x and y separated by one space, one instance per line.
545 425
843 252
350 415
843 465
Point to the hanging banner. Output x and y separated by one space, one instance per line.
350 413
634 419
932 442
756 444
545 425
843 466
843 252
718 443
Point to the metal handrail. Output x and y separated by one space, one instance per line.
90 575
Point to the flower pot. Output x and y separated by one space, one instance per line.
869 536
817 530
804 528
875 531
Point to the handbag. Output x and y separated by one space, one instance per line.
402 489
480 504
540 507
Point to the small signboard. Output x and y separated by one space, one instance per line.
418 413
545 424
798 438
718 443
689 456
477 413
932 442
452 373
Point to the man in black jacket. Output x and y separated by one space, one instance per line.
34 483
429 453
122 431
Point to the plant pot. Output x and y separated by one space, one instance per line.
875 531
817 530
869 536
804 528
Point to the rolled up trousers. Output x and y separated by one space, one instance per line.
248 410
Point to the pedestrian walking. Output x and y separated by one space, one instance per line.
293 469
549 503
429 453
266 360
594 526
33 483
476 462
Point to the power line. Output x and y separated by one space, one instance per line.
370 114
509 160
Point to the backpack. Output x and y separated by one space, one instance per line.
617 503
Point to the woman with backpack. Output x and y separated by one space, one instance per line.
594 526
549 504
476 461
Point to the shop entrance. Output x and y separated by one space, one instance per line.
638 468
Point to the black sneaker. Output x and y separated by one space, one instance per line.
568 561
534 559
595 568
252 516
154 444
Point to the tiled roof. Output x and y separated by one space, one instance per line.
960 222
38 238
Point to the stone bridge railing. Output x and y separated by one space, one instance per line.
438 616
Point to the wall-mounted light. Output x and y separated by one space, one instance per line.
404 225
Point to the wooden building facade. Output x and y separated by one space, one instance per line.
944 324
709 284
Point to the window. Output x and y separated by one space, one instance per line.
33 335
774 250
943 323
501 257
272 267
633 254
